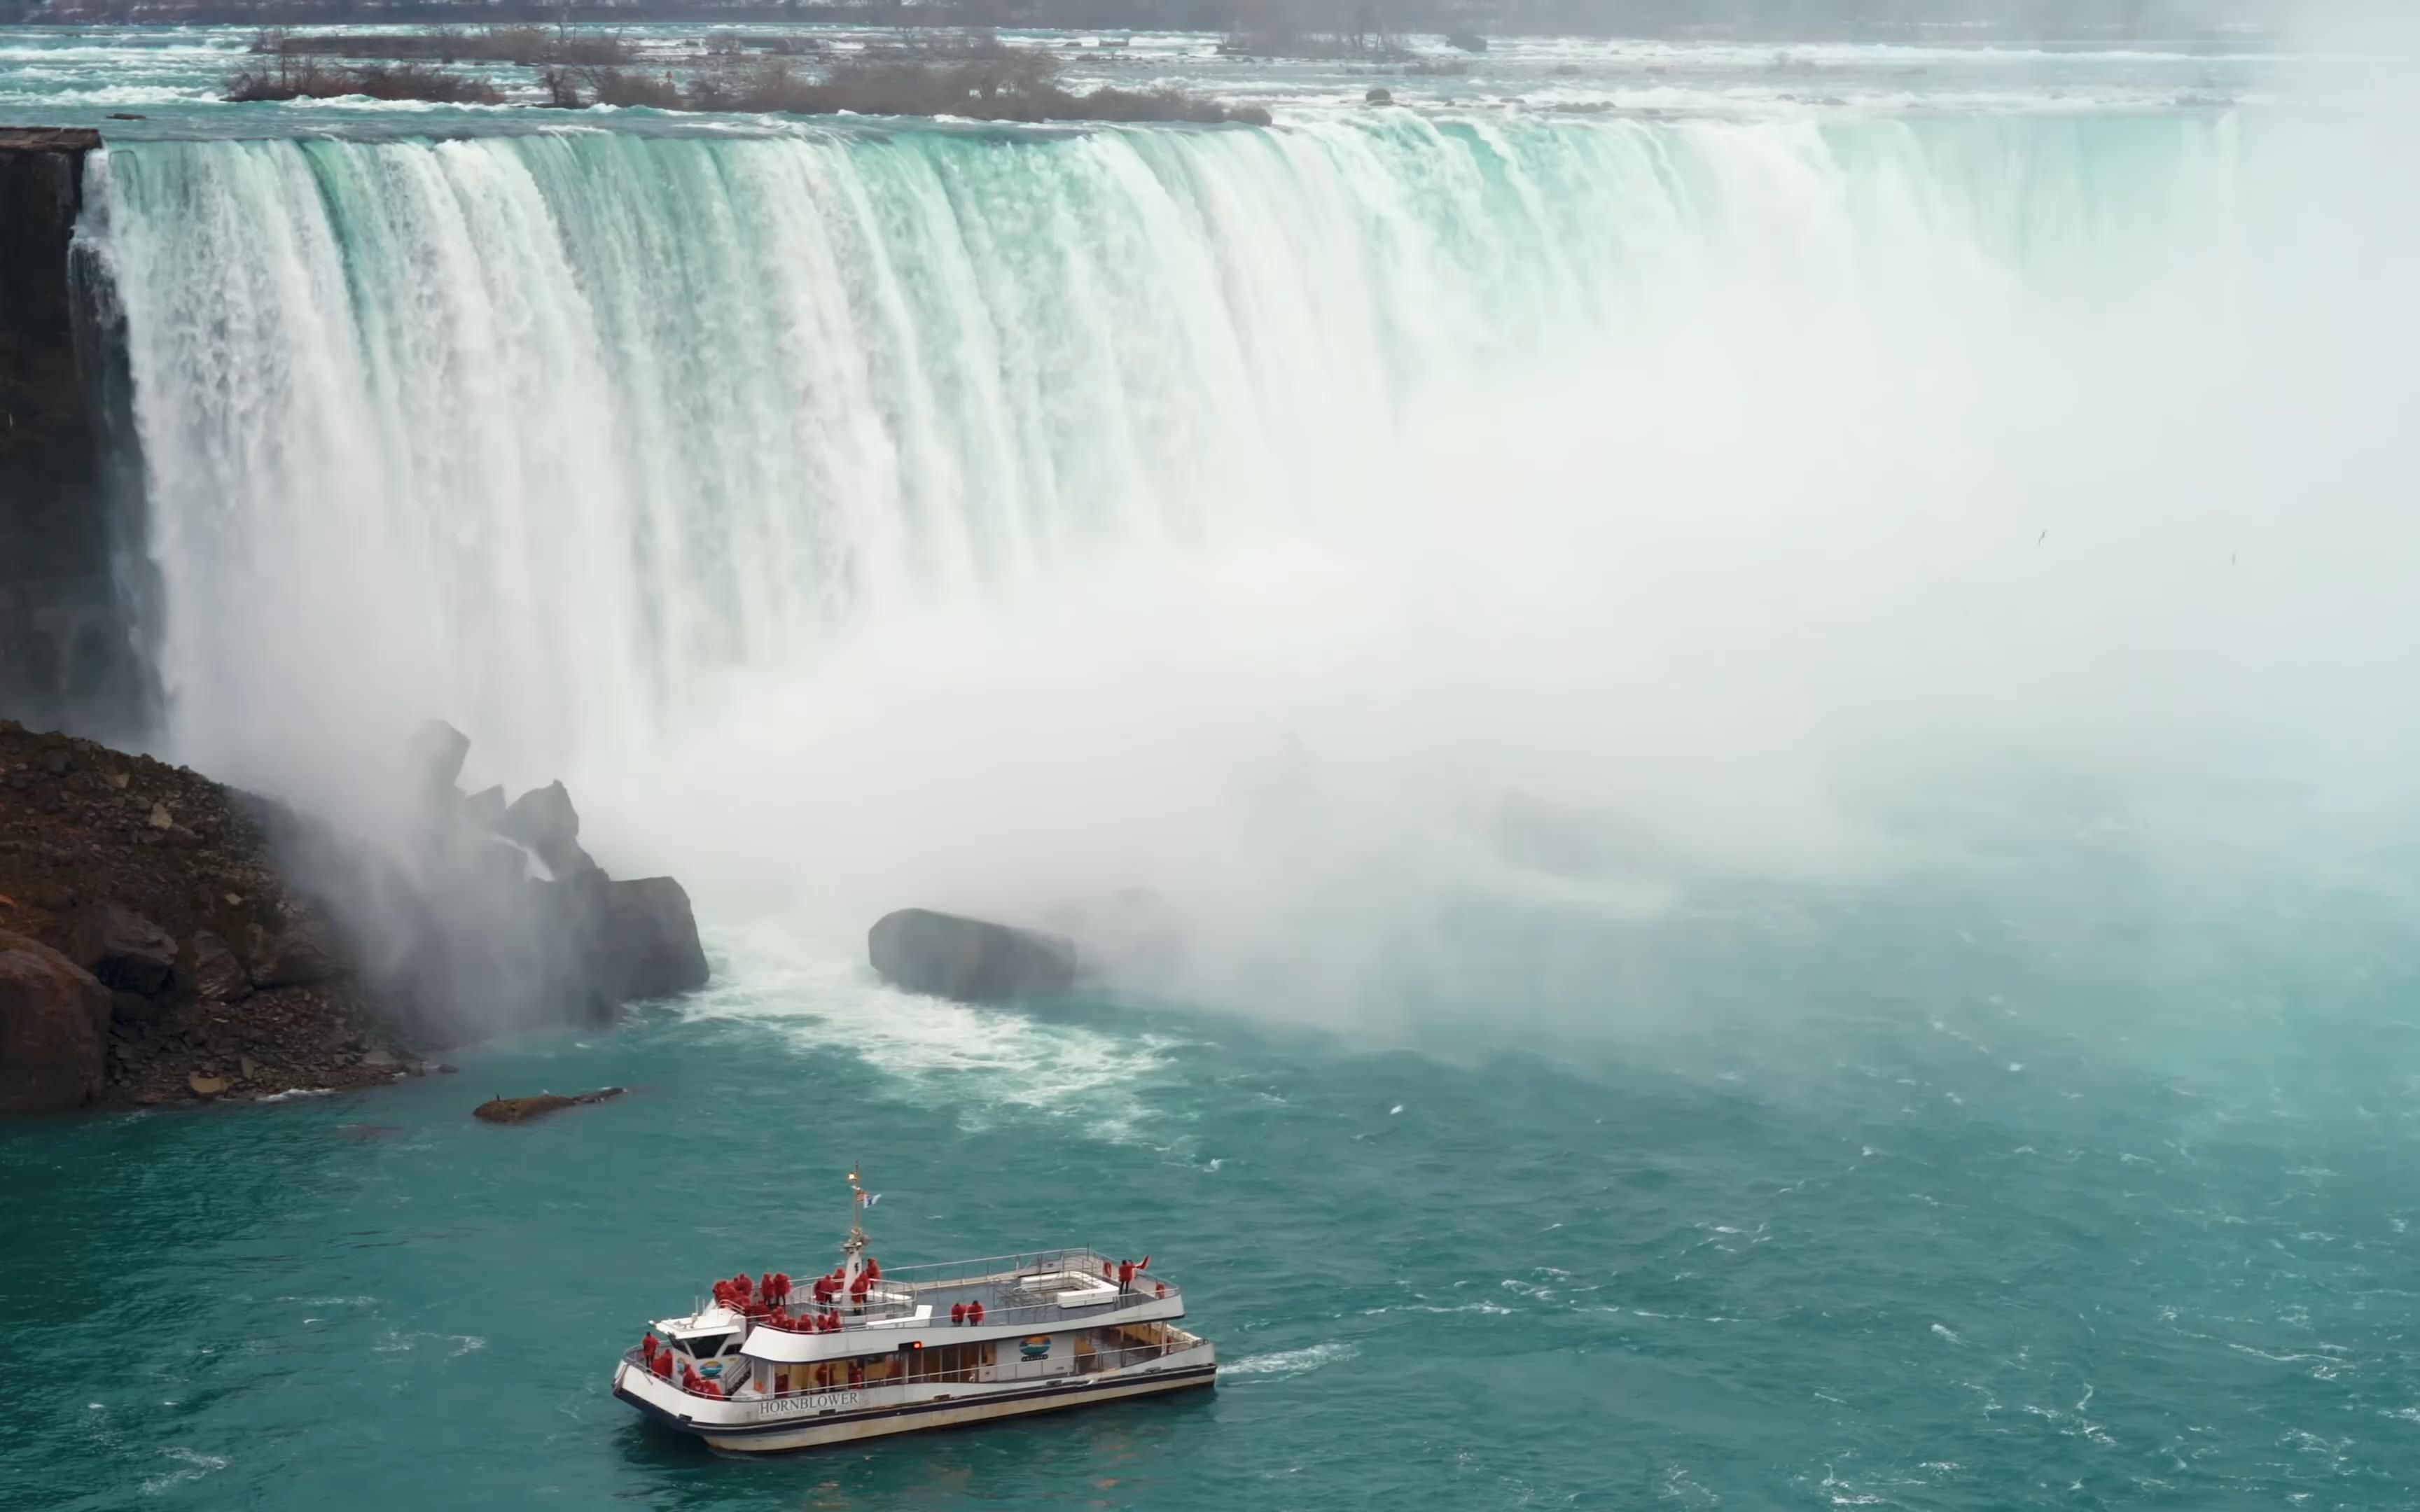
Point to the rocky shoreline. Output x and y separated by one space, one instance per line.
155 946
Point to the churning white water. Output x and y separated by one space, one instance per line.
992 518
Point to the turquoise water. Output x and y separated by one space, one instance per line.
1975 1200
1765 745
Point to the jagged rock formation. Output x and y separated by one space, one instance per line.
240 950
574 936
157 887
972 960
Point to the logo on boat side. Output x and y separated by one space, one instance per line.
1034 1347
820 1402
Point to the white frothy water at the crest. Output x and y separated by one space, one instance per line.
983 520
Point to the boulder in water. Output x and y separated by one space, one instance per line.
648 947
53 1029
972 960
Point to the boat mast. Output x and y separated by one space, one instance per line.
852 1249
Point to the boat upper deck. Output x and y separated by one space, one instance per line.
1037 1292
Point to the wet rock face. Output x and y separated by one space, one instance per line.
648 946
63 620
53 1029
544 820
970 960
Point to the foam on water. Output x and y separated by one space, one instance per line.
988 1063
1288 1363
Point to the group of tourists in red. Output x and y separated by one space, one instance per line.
659 1358
767 1301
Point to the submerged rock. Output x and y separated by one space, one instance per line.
972 960
519 1109
53 1029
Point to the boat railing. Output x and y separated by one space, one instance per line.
887 1312
1171 1340
1084 1259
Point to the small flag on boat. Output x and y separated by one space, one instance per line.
869 1199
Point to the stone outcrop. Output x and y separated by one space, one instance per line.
574 937
208 963
544 820
233 942
521 1109
438 752
53 1029
648 946
122 949
970 960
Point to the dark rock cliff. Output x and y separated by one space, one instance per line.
163 937
67 653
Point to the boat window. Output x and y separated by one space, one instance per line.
705 1346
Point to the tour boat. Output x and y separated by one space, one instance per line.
861 1351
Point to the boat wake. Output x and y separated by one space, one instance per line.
1289 1362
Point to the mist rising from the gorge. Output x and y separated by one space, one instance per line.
1308 527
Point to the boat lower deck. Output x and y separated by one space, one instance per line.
813 1421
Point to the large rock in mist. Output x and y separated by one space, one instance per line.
482 939
648 945
53 1029
438 752
544 820
972 960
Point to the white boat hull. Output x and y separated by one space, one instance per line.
762 1427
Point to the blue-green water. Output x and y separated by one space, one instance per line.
1972 1201
1770 729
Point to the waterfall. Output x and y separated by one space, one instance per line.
1678 467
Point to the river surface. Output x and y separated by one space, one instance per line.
1740 725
